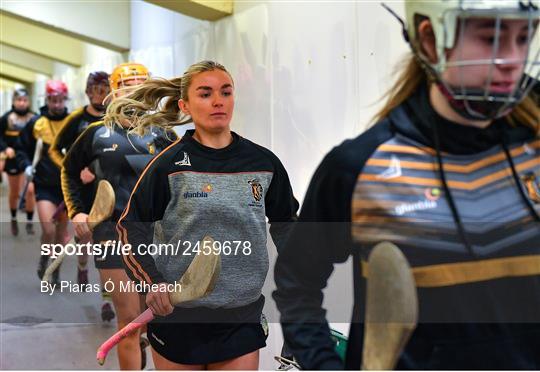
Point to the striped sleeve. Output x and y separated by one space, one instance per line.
3 128
64 138
77 158
26 145
135 227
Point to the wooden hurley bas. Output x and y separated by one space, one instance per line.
198 281
102 209
391 307
35 161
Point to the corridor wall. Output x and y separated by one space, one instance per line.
308 74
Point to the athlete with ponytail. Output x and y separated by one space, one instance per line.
449 176
211 182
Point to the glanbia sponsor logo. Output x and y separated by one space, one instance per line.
412 207
197 194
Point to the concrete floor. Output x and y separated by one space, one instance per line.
62 331
38 331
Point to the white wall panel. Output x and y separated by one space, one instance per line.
96 59
151 38
242 46
381 51
314 69
308 74
165 41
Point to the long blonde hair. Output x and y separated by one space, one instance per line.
143 107
527 113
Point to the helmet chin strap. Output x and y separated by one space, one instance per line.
21 112
478 109
98 107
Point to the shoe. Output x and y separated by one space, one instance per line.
42 266
82 276
286 364
107 313
30 228
143 343
14 228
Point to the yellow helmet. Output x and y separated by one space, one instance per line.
127 71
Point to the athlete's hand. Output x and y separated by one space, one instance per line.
10 153
159 301
87 176
29 172
80 224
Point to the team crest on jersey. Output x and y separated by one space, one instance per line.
531 182
256 190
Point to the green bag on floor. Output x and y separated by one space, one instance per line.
341 343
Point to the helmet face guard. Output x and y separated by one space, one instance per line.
21 107
125 72
97 78
97 89
495 96
56 96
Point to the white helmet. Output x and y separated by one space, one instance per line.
446 17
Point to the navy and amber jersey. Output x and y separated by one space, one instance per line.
478 286
190 191
11 125
112 155
45 127
77 122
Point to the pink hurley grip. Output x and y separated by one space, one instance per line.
137 323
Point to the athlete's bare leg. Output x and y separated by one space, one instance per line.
161 363
14 183
30 199
46 210
62 235
126 305
245 362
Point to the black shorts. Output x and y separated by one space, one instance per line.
50 193
12 168
112 259
109 261
192 340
